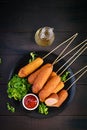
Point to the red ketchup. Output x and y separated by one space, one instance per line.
30 102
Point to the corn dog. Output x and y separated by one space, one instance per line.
52 74
31 67
58 87
52 99
62 95
32 77
42 78
49 87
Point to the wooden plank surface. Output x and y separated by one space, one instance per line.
19 21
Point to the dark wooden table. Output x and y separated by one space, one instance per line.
18 24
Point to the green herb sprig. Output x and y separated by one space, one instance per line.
43 109
65 75
18 87
10 107
33 56
0 60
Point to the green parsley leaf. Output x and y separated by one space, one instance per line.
64 76
18 87
0 60
33 56
43 109
10 108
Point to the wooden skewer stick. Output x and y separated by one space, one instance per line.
65 48
76 73
60 45
72 58
76 80
71 50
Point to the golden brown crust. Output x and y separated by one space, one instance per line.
42 78
58 87
31 67
52 99
63 94
48 88
33 76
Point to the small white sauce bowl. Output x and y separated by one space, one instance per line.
30 101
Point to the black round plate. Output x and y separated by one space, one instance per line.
52 111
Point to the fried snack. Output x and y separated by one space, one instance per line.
31 67
62 95
52 74
33 76
58 87
49 87
52 99
42 78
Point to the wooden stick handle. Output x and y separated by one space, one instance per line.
65 48
76 73
71 50
72 61
60 45
76 80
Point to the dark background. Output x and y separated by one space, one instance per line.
19 21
